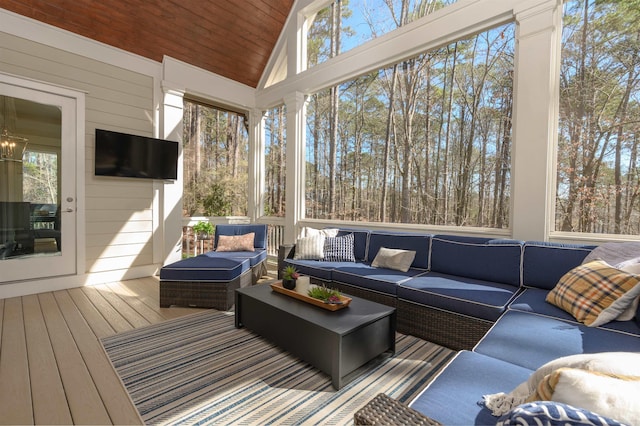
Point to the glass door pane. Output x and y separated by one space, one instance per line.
38 180
30 143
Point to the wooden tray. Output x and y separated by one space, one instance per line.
277 286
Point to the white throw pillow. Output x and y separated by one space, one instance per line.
312 232
614 253
397 259
615 396
631 266
310 248
627 363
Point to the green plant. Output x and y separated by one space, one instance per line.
325 294
290 273
205 228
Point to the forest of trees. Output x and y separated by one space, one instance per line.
215 161
427 140
275 150
598 183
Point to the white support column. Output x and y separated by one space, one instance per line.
169 225
256 165
535 118
295 164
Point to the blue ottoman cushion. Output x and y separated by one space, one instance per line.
205 269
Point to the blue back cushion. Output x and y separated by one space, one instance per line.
414 242
480 258
544 263
360 242
260 239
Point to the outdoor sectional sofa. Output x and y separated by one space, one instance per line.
210 279
454 290
484 297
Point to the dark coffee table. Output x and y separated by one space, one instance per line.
335 342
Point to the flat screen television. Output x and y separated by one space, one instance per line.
120 154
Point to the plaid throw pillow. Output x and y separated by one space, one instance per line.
339 249
595 293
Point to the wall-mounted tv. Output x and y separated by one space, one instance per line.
120 154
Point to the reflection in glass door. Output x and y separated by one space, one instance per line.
38 180
30 145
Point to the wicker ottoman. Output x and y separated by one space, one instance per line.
203 282
383 410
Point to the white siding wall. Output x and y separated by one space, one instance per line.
119 212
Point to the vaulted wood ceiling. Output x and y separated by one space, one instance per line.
232 38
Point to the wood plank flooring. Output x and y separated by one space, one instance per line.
53 369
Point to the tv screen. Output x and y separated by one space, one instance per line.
120 154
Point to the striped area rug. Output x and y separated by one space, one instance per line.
200 369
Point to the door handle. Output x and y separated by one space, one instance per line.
68 210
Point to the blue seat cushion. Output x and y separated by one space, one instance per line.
254 257
378 279
260 231
544 263
414 242
480 258
204 269
533 300
314 268
468 296
531 340
454 397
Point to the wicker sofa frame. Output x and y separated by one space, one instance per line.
446 328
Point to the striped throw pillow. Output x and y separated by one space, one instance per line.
339 249
310 248
595 293
554 413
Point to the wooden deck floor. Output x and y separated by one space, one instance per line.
53 369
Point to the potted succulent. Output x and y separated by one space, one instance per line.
327 295
289 276
203 230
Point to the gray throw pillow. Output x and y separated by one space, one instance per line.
397 259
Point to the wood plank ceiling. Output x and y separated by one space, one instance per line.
233 39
